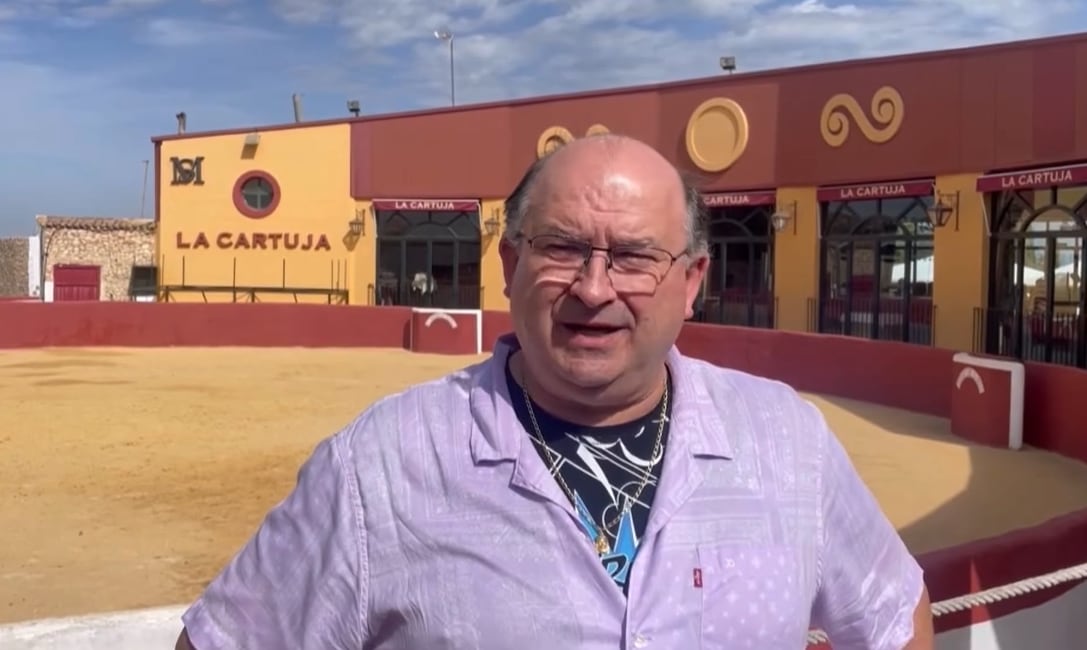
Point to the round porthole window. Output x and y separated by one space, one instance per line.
256 194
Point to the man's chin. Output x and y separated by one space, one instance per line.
588 370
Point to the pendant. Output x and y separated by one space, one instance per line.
602 545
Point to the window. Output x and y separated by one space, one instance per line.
877 269
256 194
429 258
143 283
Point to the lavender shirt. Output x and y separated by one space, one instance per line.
431 522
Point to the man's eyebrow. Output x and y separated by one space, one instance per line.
559 232
637 242
622 242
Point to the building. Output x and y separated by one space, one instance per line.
20 275
834 191
88 258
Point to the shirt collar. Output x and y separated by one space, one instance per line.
498 434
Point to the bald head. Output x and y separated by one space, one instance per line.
612 169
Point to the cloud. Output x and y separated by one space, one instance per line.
180 32
73 13
517 48
88 99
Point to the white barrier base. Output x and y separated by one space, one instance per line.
142 629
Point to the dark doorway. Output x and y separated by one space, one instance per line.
1036 265
428 258
876 269
739 288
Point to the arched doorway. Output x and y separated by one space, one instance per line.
877 265
1036 264
739 286
428 254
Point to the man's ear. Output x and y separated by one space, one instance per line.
696 272
507 251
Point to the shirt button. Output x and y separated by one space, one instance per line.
640 641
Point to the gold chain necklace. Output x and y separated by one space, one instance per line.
601 542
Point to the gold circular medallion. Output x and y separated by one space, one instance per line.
551 139
717 134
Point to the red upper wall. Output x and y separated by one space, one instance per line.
976 110
971 110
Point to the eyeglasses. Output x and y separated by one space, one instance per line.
632 268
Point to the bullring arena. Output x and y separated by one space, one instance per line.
170 430
901 239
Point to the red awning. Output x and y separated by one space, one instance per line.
739 199
869 191
433 205
1033 178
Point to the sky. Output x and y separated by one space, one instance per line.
84 84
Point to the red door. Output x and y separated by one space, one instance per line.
76 282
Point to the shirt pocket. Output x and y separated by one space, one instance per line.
754 596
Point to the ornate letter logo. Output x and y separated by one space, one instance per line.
188 171
887 113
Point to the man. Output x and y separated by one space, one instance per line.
588 486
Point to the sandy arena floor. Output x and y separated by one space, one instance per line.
130 476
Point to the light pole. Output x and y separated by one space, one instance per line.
446 35
143 192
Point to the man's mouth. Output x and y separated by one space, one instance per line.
585 329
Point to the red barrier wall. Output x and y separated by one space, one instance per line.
984 564
1054 411
136 324
900 375
911 377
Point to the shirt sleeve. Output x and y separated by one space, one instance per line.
300 581
869 583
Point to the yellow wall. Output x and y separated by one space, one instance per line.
796 258
490 273
961 264
312 168
362 263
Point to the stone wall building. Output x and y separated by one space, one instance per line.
121 249
14 270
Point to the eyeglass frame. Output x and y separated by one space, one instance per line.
608 253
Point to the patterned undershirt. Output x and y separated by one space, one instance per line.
603 466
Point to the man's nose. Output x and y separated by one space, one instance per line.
593 284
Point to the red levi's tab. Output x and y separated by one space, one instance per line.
698 578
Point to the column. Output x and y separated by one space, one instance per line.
490 274
362 257
796 258
961 258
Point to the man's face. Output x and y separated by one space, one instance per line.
584 325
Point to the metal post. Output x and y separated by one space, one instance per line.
446 35
143 192
452 76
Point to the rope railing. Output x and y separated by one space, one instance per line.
991 595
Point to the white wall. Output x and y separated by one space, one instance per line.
34 267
